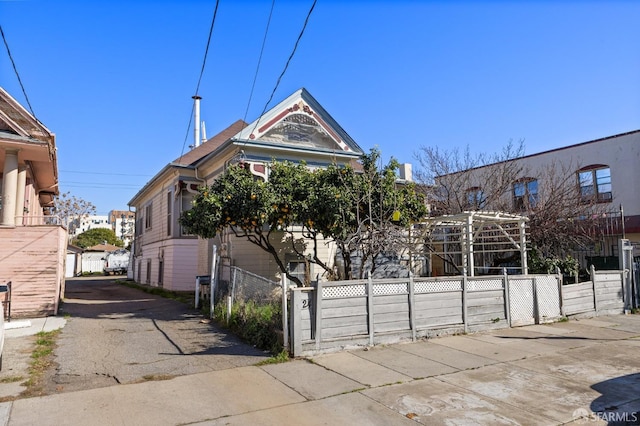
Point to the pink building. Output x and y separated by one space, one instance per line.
32 241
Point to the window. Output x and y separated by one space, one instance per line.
186 200
298 268
476 199
148 271
160 272
169 211
525 194
147 216
595 183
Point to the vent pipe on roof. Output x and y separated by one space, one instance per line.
204 132
405 172
196 120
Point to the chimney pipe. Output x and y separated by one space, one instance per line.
196 120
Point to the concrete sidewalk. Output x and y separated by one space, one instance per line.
540 374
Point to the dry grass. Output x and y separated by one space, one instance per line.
41 361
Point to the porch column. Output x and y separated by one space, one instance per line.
9 187
22 183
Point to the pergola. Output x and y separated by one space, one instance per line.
469 236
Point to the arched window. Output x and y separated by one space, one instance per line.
595 183
525 194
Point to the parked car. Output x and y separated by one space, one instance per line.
116 262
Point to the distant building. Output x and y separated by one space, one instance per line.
123 223
603 172
83 224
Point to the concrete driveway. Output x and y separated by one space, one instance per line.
117 335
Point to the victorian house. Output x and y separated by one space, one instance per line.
297 129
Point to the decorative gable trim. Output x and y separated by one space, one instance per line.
298 108
299 121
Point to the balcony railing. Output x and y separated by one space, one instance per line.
37 220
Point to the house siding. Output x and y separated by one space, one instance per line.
249 257
36 289
179 264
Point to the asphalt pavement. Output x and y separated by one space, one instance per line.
577 372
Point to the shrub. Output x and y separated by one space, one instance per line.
255 323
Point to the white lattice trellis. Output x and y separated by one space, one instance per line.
484 284
437 286
337 292
521 301
398 288
548 298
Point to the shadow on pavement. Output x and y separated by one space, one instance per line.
619 400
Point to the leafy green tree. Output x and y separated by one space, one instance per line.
97 236
305 207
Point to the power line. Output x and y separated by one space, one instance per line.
109 184
255 77
204 62
206 51
306 21
103 173
15 69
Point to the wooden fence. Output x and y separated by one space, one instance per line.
339 315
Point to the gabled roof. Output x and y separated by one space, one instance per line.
20 131
103 247
14 118
299 121
189 159
210 145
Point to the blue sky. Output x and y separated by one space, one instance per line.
114 79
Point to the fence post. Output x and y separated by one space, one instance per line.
214 280
285 313
197 301
464 300
370 306
318 306
412 314
560 295
593 282
296 313
536 308
507 296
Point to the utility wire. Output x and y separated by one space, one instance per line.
306 21
255 77
206 51
204 62
15 69
103 173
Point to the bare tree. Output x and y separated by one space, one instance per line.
455 180
560 219
72 210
